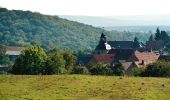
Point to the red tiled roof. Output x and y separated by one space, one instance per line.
11 48
146 56
101 58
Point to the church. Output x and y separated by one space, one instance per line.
131 54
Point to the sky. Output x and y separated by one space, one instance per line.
91 7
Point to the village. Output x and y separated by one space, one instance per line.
131 54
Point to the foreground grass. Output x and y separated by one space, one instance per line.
83 87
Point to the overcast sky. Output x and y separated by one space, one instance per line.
91 7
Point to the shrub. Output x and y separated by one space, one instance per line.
100 69
118 69
138 71
80 70
157 69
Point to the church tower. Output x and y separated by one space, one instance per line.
103 47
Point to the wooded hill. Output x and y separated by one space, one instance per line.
22 28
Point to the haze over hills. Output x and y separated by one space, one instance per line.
140 23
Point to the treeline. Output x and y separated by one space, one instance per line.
157 69
24 28
34 61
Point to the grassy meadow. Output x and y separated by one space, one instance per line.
83 87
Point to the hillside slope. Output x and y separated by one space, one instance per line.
83 87
22 28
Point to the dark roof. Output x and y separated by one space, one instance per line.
4 69
121 54
121 44
83 60
154 45
101 58
164 57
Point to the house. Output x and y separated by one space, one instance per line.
83 60
105 59
164 57
121 44
144 58
13 52
4 69
109 47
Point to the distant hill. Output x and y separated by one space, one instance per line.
143 29
22 28
140 23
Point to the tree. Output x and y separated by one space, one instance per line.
70 59
3 57
55 64
31 61
136 43
157 34
151 38
164 37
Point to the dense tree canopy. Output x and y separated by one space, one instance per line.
55 64
23 28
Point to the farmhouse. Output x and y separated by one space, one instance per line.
13 52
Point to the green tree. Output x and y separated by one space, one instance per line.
151 38
136 43
3 57
31 61
157 34
70 59
55 64
164 37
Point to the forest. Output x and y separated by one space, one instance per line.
24 28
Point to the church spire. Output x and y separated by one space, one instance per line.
103 37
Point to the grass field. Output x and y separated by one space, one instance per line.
83 87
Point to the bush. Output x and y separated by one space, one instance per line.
138 71
157 69
118 69
100 69
80 70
